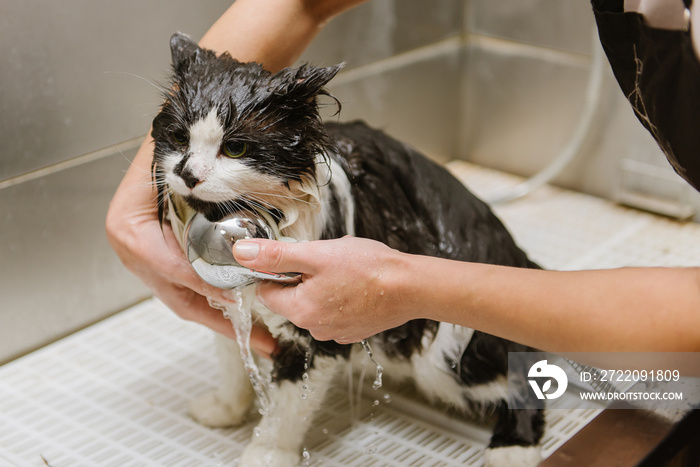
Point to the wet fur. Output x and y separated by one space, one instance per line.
323 181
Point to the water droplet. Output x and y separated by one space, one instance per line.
381 293
340 308
387 398
257 431
371 449
375 403
305 376
378 380
380 369
305 387
303 396
325 431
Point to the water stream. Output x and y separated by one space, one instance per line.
242 324
380 369
241 318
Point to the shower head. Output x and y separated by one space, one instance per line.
210 245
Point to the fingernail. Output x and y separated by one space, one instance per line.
246 251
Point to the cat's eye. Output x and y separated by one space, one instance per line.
180 137
235 148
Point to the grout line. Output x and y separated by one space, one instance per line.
523 49
399 60
454 43
73 162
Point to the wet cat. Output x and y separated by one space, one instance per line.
233 136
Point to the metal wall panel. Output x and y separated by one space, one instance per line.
75 74
415 102
58 272
523 92
380 29
560 24
520 107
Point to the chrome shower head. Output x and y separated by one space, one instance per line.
210 244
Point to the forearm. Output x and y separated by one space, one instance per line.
630 309
271 32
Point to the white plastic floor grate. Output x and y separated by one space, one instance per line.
115 394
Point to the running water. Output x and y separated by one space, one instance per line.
243 324
380 369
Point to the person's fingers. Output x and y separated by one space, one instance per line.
283 300
262 342
191 306
278 298
271 255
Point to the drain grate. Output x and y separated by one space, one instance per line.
115 394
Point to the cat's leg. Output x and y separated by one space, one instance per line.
464 369
278 439
516 438
228 404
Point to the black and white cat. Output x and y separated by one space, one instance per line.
232 136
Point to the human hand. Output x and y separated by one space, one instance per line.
153 254
350 288
156 258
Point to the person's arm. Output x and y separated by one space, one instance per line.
631 309
272 32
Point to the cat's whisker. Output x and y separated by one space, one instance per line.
258 203
132 165
147 185
275 195
258 199
162 201
157 86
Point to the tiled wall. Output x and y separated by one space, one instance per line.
523 94
76 100
403 62
497 82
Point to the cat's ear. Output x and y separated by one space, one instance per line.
306 82
183 50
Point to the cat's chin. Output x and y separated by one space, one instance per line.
214 212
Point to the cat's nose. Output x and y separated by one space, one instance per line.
189 178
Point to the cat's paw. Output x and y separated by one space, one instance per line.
209 410
258 455
513 456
